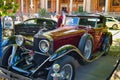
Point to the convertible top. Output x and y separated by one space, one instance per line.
90 15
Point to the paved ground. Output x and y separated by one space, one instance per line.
97 70
101 68
116 34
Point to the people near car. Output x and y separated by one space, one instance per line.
18 20
61 19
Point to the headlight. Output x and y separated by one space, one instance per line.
44 46
19 40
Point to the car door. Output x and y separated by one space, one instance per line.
19 28
31 26
97 31
27 27
50 25
100 31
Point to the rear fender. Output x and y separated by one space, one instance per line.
108 36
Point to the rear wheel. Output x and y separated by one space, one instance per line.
87 49
67 68
115 26
86 46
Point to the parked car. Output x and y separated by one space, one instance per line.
118 18
7 26
33 25
83 38
112 23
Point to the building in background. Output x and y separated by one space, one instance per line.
32 6
108 5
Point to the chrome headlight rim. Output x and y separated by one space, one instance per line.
45 47
19 40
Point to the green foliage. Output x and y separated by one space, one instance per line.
8 8
80 9
43 13
115 48
115 51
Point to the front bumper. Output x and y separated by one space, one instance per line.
11 75
14 76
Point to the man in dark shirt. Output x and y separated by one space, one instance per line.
59 21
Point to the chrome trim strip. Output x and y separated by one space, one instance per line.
40 65
14 49
34 51
78 51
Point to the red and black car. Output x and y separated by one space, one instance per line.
83 38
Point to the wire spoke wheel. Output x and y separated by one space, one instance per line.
88 49
66 72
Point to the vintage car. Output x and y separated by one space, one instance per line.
82 38
7 26
28 28
33 25
112 23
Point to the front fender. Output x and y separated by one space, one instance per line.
64 50
9 40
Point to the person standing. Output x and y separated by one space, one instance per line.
60 19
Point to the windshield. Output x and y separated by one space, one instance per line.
88 21
84 21
72 21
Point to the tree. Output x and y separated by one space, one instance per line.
7 7
43 13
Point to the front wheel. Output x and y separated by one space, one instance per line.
67 69
6 55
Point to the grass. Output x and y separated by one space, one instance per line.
115 48
115 51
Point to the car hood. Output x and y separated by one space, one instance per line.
65 32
